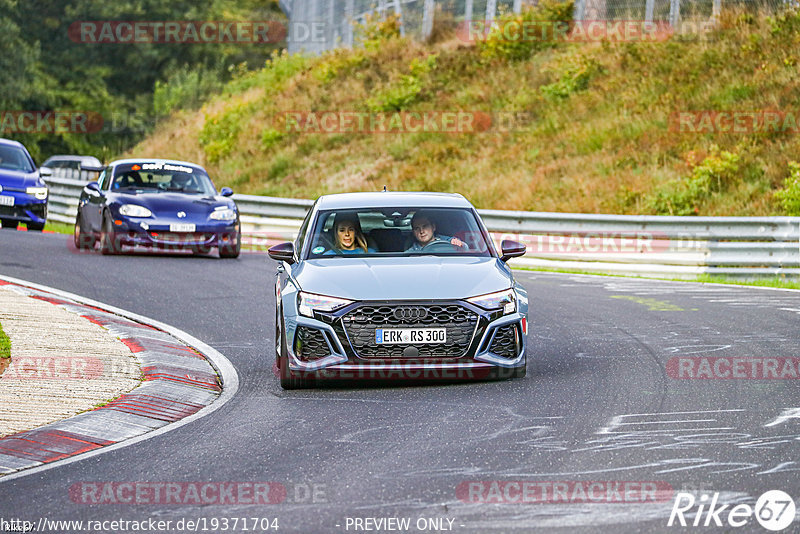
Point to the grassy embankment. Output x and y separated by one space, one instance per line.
594 137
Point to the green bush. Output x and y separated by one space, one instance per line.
573 73
789 196
402 94
376 31
515 36
277 69
220 132
684 197
270 137
185 88
339 62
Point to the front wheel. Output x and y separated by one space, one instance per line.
83 241
109 241
289 379
233 247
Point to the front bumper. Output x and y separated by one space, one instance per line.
134 234
324 345
26 208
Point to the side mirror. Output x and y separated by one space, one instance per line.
93 186
45 172
511 249
282 252
226 191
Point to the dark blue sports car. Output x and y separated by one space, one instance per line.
23 194
157 203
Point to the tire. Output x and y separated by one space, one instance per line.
35 227
232 250
109 241
289 379
5 223
83 241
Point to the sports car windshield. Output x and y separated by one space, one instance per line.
15 159
393 232
162 177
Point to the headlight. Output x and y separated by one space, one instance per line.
502 299
223 215
38 192
132 210
308 302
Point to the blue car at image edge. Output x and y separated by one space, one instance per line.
23 193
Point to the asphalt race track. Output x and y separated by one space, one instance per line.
602 402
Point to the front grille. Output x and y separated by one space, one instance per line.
361 323
505 342
309 344
18 210
179 238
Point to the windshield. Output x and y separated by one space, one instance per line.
162 177
15 159
393 232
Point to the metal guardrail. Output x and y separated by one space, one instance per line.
679 247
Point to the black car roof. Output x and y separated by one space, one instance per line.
392 199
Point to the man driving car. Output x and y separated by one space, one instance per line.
425 234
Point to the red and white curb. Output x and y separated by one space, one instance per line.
183 379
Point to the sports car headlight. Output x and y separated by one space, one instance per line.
38 192
308 302
223 215
132 210
502 299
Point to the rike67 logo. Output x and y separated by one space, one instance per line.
774 511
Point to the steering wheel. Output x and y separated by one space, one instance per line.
440 246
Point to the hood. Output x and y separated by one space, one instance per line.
414 278
19 180
167 203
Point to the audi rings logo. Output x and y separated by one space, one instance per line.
410 313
